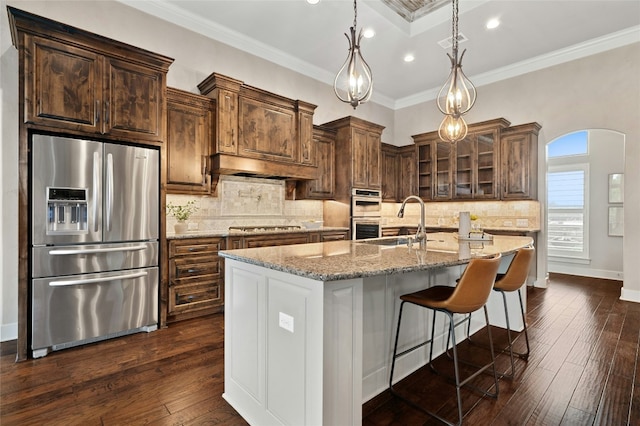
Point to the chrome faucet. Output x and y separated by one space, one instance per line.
421 235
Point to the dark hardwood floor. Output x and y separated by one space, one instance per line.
583 370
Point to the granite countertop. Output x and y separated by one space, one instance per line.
454 228
339 260
226 232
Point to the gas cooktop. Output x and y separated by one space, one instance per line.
265 228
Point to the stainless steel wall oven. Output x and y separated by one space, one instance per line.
366 207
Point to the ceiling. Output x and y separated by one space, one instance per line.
310 38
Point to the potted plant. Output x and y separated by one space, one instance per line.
182 213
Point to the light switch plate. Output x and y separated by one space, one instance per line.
285 321
522 223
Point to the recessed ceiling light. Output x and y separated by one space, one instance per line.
313 1
409 57
368 33
493 23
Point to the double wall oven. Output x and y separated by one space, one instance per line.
366 206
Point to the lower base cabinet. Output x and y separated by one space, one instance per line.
196 272
196 278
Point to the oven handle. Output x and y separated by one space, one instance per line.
63 283
64 252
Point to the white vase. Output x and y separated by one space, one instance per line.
181 227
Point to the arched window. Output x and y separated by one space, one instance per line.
567 196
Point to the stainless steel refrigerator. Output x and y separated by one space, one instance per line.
94 234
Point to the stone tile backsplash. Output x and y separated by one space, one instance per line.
244 201
491 214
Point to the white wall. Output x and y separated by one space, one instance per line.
542 96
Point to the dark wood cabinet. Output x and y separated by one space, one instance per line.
196 278
390 161
471 169
76 87
323 187
407 176
519 163
325 236
189 142
358 152
258 132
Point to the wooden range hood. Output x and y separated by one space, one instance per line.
258 133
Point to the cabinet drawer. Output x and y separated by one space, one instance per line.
185 247
210 265
194 295
275 240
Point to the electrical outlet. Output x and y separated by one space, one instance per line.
522 223
507 223
193 226
285 321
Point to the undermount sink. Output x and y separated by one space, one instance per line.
391 241
388 241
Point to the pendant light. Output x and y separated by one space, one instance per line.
458 94
354 78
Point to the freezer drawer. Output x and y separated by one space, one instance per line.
72 310
49 261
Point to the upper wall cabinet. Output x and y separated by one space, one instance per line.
398 172
258 132
323 149
494 161
520 162
189 142
83 83
358 162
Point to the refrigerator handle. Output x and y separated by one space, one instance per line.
65 252
109 190
96 182
63 283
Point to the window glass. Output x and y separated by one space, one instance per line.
571 144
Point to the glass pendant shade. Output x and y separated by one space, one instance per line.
452 128
458 94
354 78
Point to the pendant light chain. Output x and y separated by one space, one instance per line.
454 26
355 13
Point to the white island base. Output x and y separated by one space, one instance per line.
300 351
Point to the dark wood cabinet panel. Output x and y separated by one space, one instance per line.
63 85
267 131
196 277
189 142
390 166
323 187
519 162
407 176
134 100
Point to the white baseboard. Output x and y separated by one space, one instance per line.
630 295
585 272
8 332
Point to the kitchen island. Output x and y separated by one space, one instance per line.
309 328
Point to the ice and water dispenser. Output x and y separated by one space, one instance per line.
66 211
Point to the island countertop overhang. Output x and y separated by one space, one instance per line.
341 260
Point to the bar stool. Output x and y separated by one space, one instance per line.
513 280
470 294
